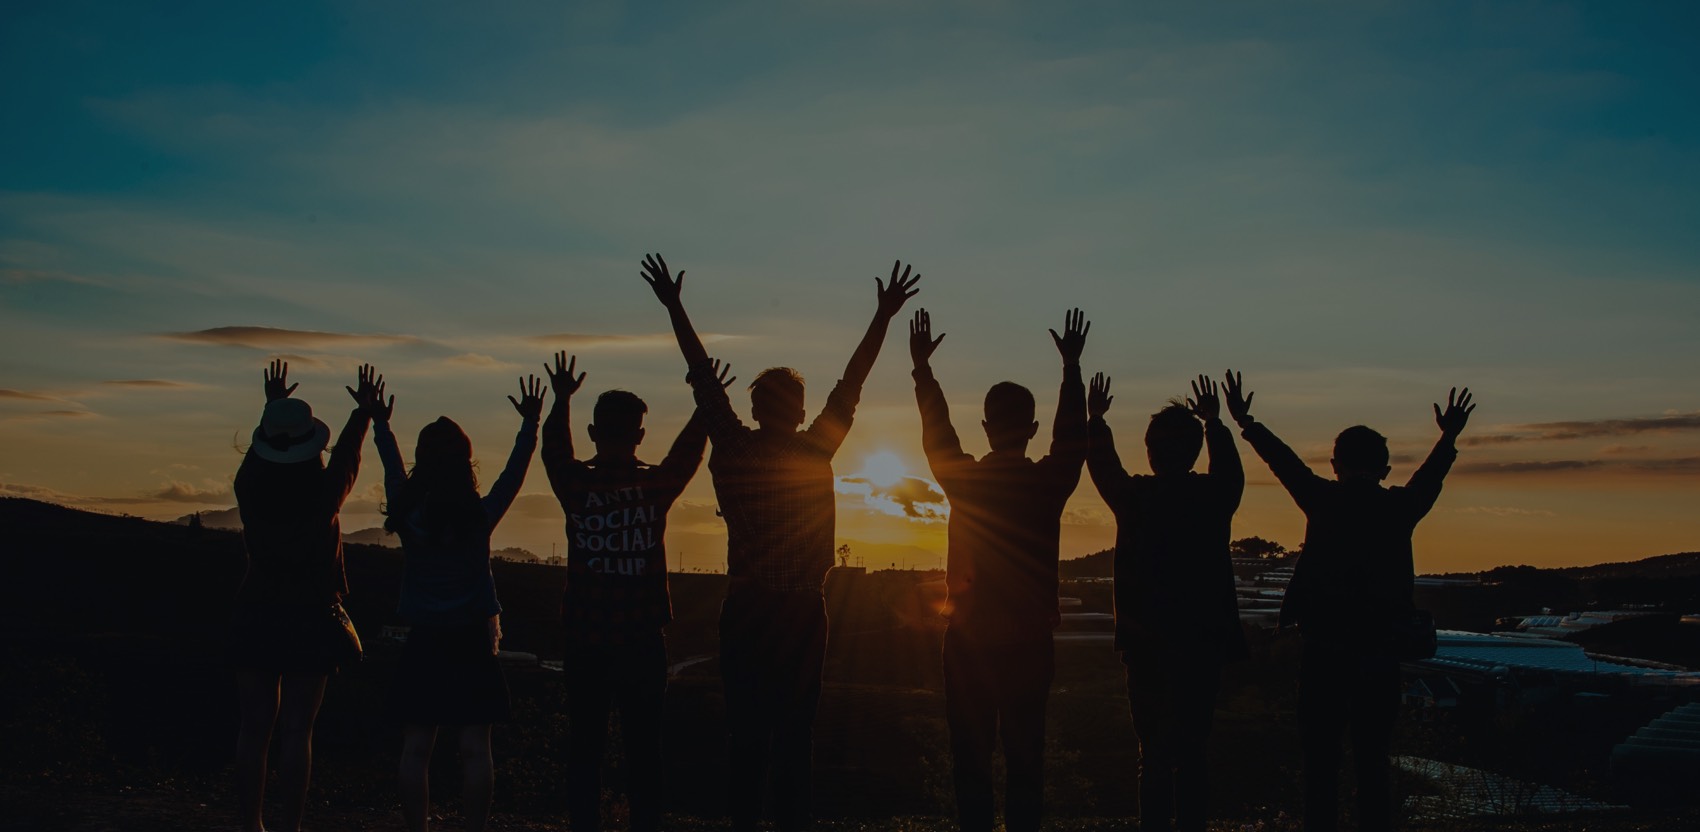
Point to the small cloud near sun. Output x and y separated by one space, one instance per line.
885 485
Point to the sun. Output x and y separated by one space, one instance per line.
884 469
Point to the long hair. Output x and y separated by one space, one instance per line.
442 487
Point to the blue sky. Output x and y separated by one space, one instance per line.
1358 204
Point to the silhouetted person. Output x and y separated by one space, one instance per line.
1177 617
449 673
290 629
615 603
1001 575
1350 591
775 487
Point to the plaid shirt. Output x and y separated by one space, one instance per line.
775 489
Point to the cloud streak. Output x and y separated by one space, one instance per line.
274 338
1673 465
1593 429
27 396
151 384
645 341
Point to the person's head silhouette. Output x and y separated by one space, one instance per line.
617 424
1360 455
1009 421
1173 440
776 399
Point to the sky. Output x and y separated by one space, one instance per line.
1357 204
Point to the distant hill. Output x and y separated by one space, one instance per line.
224 518
374 536
1096 565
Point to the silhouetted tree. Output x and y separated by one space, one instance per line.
1256 547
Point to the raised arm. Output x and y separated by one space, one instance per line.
685 455
395 471
558 428
667 290
1068 431
1424 486
502 493
1102 461
938 436
1226 472
344 465
892 296
1300 482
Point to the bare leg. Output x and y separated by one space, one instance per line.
478 775
415 785
257 694
302 693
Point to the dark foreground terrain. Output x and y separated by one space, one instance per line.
118 712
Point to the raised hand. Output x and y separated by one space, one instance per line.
561 375
277 376
370 397
1239 401
1205 403
530 401
1073 340
921 340
898 292
1098 396
661 281
1457 413
719 373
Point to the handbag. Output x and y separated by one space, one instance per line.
1414 636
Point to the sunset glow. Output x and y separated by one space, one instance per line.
349 188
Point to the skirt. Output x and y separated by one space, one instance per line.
448 676
293 639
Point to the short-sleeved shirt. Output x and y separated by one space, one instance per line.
616 513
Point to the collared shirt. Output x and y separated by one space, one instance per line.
1005 517
616 590
775 488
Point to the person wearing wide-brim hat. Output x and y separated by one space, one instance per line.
291 632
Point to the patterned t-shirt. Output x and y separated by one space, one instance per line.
616 538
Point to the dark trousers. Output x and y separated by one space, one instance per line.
772 649
633 678
992 689
1172 695
1345 690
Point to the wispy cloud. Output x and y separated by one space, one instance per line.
583 339
1673 465
151 384
274 338
478 361
28 396
182 492
51 416
1592 429
1505 511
